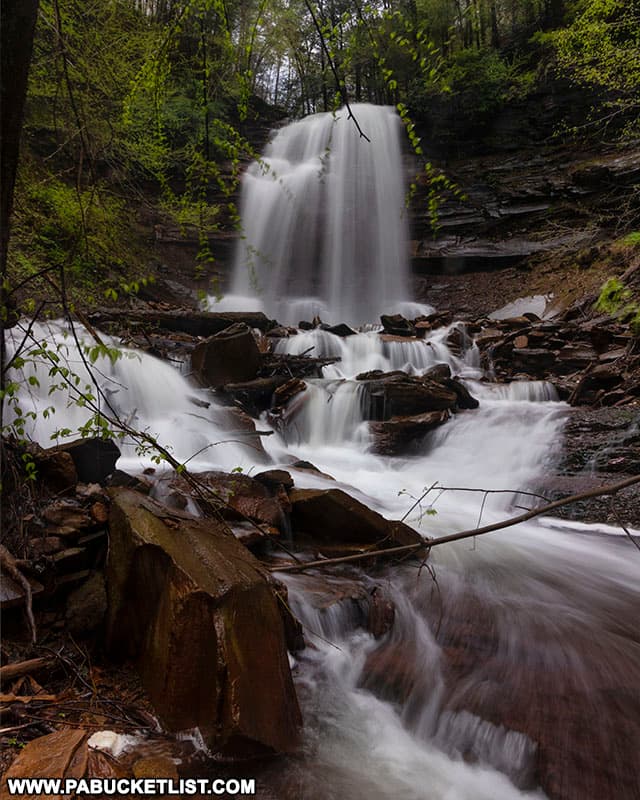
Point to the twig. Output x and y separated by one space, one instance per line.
419 500
8 564
611 489
342 91
622 525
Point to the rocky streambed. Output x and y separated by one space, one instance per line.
197 600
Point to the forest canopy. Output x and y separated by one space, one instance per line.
154 103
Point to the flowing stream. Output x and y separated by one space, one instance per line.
521 659
523 655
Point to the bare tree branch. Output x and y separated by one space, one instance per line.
342 91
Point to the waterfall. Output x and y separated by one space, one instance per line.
145 392
324 223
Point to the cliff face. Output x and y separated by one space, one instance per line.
534 197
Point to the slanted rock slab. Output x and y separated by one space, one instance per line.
331 515
61 755
193 608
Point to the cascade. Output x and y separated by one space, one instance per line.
538 620
129 390
554 604
324 228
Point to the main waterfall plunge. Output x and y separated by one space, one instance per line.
324 228
525 656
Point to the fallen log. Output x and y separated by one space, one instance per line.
301 366
20 668
195 323
326 562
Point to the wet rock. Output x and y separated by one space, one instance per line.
390 673
195 323
533 360
193 608
602 376
458 340
283 394
274 478
394 436
487 337
241 496
465 400
307 466
378 374
331 515
241 426
57 470
515 323
613 355
574 357
397 325
99 512
155 767
86 606
341 330
46 545
253 535
438 372
390 337
431 322
405 396
68 515
293 631
381 612
230 356
94 459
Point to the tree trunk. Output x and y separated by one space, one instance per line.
18 20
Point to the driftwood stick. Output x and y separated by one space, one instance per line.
20 668
602 491
326 562
9 565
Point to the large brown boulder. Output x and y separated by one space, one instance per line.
193 608
332 516
227 357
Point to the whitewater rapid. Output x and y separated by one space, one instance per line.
557 601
